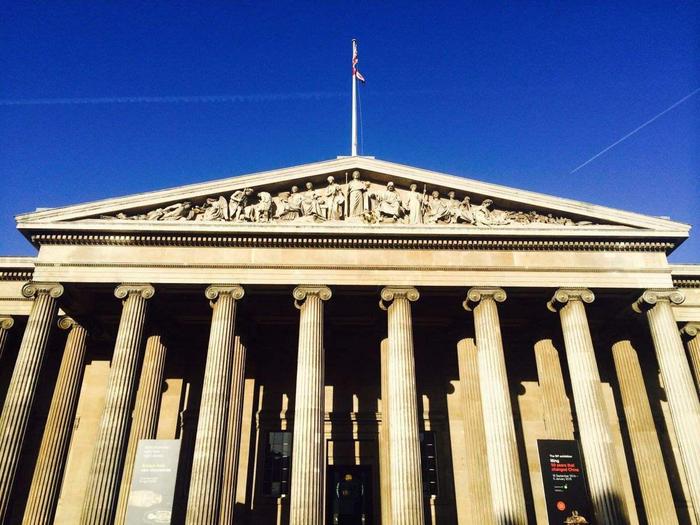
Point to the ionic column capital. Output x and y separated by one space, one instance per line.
690 330
6 322
66 323
32 289
390 293
651 297
479 293
300 293
126 289
563 295
214 291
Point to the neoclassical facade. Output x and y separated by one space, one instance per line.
349 341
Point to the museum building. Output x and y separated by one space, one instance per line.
351 341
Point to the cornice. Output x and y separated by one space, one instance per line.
686 283
375 241
685 275
321 267
17 275
16 268
368 165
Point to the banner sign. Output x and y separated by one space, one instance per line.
153 482
565 490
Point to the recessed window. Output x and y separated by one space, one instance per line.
278 455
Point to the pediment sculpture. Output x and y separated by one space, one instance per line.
356 201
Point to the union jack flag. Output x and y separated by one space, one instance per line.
356 72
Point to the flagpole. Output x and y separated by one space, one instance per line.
354 106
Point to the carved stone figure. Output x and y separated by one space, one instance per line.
357 193
485 216
154 215
452 208
237 203
177 212
437 210
464 213
334 200
482 213
415 205
285 210
215 209
389 203
310 204
261 211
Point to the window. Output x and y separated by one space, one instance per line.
428 461
278 452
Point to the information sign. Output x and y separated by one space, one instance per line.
565 490
153 482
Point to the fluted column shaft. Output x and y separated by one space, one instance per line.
105 468
204 499
6 322
48 472
384 454
680 391
557 410
604 479
479 488
20 394
308 467
507 492
144 422
404 439
692 332
651 472
233 433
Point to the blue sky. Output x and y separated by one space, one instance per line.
516 93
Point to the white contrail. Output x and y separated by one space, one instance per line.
678 103
312 95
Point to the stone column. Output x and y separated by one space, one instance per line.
6 322
233 433
384 455
653 482
404 439
680 391
203 506
308 465
20 394
690 331
144 421
48 472
604 479
555 403
479 488
507 492
106 467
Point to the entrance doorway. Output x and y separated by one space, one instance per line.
349 495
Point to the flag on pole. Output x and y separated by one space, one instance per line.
356 72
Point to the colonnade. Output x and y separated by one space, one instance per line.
210 499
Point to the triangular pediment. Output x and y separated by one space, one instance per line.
363 192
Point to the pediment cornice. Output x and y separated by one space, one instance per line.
513 212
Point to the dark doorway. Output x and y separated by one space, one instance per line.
349 495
